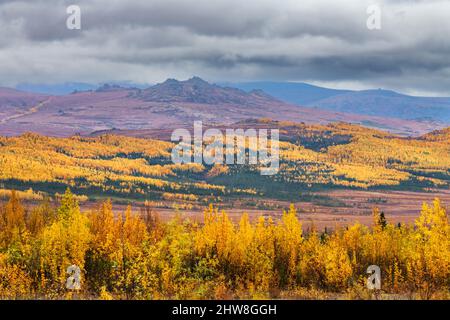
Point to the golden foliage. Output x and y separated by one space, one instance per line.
334 155
131 256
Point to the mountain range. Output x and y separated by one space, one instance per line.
375 102
174 103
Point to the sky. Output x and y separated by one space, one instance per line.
324 42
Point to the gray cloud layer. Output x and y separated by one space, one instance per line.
321 41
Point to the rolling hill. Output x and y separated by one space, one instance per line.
384 103
312 158
13 102
171 104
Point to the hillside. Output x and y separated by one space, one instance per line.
438 135
313 157
14 102
173 104
20 99
196 90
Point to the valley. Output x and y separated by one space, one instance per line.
114 142
327 210
93 170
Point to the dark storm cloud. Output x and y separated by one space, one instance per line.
324 41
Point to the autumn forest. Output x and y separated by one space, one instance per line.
133 255
97 203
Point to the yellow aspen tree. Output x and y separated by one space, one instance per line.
12 221
430 261
129 256
289 239
104 243
64 242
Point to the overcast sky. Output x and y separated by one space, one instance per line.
324 42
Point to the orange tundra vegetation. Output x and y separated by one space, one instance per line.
136 256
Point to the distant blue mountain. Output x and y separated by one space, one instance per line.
70 87
384 103
387 103
293 92
56 89
378 102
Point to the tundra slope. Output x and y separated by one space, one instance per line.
171 104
